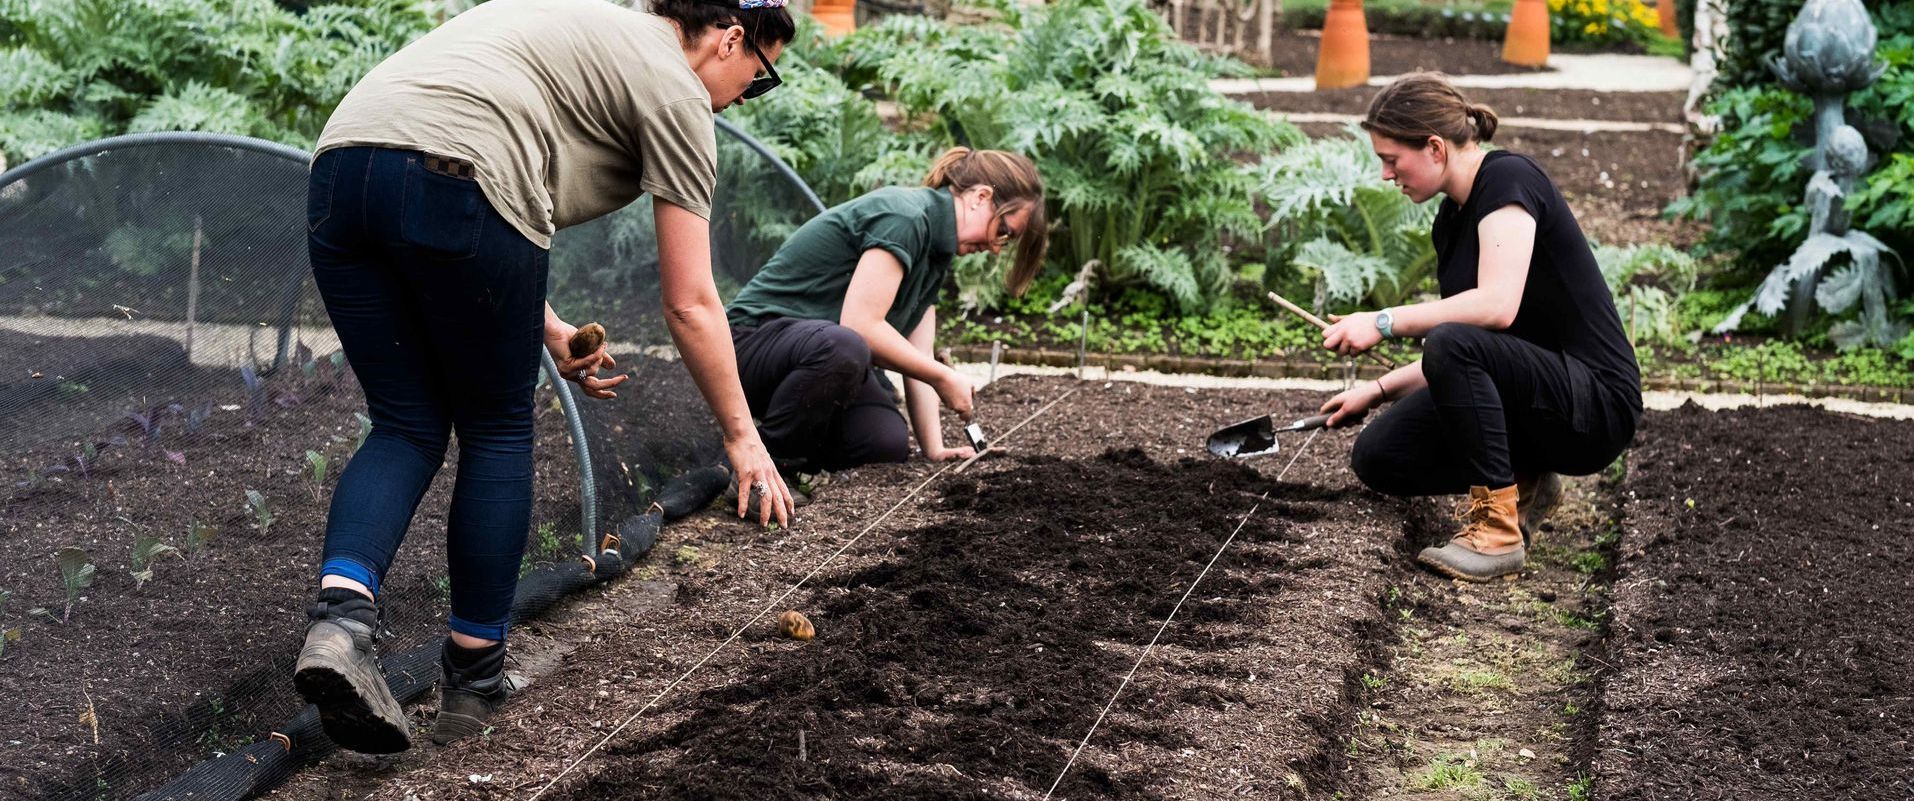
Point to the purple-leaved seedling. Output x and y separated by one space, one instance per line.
255 392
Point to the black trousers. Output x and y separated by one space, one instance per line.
1497 406
819 402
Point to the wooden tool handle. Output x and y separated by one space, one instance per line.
1319 323
1298 310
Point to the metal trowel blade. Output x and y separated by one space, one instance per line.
1253 437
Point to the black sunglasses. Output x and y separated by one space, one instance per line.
763 83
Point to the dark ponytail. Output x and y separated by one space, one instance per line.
766 26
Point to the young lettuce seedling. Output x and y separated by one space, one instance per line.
199 535
76 574
317 461
145 550
261 509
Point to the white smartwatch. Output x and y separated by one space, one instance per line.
1385 323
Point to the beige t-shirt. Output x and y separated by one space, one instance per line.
569 108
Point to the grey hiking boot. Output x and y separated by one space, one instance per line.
1540 497
338 672
474 687
1488 546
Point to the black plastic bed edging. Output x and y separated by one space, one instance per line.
265 764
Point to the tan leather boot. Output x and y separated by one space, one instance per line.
1540 497
1490 542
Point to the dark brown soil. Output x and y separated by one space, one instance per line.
195 660
984 640
1554 104
1295 54
1000 611
1760 639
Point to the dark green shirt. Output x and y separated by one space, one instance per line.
810 273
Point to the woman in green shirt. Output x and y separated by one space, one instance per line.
855 290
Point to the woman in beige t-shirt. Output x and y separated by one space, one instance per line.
438 184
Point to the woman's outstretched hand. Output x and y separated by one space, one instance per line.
758 475
950 454
581 369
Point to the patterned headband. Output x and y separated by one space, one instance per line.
745 5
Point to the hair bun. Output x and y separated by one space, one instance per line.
1485 121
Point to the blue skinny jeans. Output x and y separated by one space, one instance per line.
439 304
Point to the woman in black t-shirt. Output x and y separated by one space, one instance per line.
1525 371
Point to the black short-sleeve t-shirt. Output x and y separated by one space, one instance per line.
1566 307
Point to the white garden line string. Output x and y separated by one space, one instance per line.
779 601
1172 616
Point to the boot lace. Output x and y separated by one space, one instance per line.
1474 510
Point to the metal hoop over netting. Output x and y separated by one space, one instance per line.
165 360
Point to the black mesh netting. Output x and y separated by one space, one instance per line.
174 411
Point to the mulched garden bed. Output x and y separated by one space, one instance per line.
966 644
1759 644
142 681
1295 53
1554 104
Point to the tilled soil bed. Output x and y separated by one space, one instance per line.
1554 104
140 680
1295 53
967 643
1759 643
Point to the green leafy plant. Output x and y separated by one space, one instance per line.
316 465
1582 789
1450 772
76 574
1756 31
365 429
1647 282
1752 178
261 509
145 550
74 70
1137 152
199 535
546 542
1351 235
